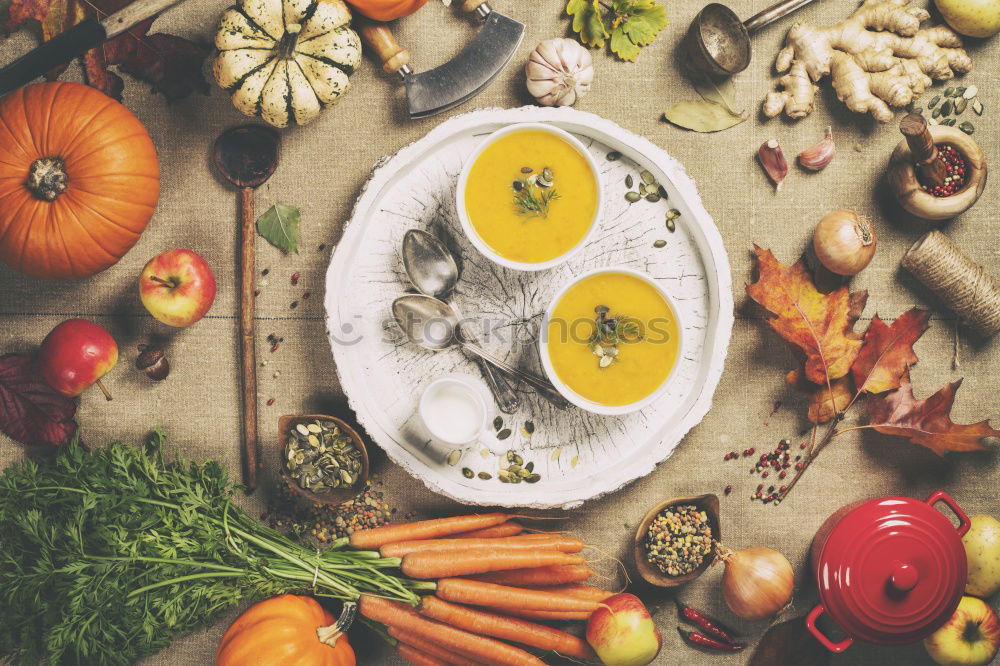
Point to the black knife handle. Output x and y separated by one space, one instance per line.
58 50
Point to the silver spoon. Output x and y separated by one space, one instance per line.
433 325
433 271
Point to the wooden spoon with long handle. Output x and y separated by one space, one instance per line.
247 156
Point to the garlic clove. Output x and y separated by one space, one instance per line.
772 159
819 156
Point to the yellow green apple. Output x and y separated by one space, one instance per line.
972 18
177 287
970 637
622 633
982 549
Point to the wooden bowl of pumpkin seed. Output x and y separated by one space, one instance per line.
323 460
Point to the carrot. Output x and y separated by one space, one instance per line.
587 592
401 548
508 529
475 593
539 576
438 564
418 657
548 616
377 537
487 650
507 628
433 649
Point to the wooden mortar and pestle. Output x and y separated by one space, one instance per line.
917 162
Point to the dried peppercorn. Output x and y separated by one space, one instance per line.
701 640
706 623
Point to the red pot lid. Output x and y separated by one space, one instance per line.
892 571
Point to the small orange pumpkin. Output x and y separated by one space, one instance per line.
285 631
79 180
387 10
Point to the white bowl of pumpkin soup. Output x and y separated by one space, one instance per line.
529 196
612 341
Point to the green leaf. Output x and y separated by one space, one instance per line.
636 24
588 21
280 227
702 116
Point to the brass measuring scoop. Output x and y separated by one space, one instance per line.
719 43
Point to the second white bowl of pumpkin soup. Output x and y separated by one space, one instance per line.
612 340
529 197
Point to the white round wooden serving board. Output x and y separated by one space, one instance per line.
579 455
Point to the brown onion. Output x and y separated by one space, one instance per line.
757 583
845 242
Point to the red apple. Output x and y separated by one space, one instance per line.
75 355
970 638
623 634
177 287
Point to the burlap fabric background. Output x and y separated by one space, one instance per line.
324 165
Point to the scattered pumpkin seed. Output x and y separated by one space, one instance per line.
643 190
961 105
454 457
662 191
529 426
978 107
949 92
632 197
556 453
673 214
937 113
970 92
659 244
614 155
530 467
534 478
467 473
671 225
967 127
950 122
503 434
947 107
934 102
498 423
629 181
485 476
960 92
652 197
647 177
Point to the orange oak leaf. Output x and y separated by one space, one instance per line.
887 353
823 408
819 326
926 422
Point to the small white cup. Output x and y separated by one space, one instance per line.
454 410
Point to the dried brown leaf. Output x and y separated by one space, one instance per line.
888 351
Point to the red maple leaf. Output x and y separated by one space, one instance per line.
926 422
31 412
172 64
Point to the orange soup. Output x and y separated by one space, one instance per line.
531 216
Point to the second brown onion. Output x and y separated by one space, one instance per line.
758 582
845 242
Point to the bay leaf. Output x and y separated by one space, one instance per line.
279 225
721 91
702 116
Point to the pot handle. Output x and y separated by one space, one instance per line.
836 648
963 520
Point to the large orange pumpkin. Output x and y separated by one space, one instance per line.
285 631
79 180
387 10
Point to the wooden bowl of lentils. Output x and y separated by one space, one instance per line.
675 542
323 459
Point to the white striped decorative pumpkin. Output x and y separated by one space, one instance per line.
286 60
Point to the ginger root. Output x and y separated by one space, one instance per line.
879 58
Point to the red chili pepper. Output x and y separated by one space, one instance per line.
707 642
706 623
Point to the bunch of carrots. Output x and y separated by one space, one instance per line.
494 585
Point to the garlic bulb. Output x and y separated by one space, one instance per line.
559 72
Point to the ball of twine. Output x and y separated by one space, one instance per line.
964 286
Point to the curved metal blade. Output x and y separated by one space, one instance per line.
458 80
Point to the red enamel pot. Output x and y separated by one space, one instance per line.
890 571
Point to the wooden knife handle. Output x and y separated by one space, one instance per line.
380 39
470 6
